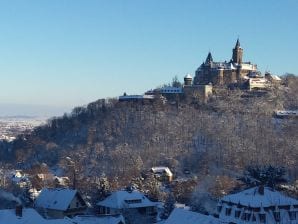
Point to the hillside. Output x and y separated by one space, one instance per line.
233 130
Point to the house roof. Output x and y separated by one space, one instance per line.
162 169
29 215
119 200
251 197
58 199
85 219
179 216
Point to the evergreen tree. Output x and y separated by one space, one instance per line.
263 175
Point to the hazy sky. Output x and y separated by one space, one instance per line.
69 52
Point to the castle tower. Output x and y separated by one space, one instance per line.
188 80
237 53
220 76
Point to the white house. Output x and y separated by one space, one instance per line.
59 202
133 205
162 173
182 216
258 205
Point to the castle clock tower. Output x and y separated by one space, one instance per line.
237 53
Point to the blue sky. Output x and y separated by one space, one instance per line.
64 53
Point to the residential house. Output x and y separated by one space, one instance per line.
182 216
60 202
162 173
258 205
133 205
27 215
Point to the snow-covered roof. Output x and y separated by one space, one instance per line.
162 169
188 76
248 66
29 215
179 216
251 197
124 199
276 78
58 199
86 219
286 112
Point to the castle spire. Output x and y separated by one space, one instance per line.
209 58
237 43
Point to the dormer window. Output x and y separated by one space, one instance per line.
219 207
276 216
246 216
228 211
237 213
133 201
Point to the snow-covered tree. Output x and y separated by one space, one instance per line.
263 175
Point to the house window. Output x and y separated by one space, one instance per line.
262 218
219 208
292 215
254 218
246 216
77 204
108 211
237 213
228 211
276 216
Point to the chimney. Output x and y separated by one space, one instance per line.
261 189
19 210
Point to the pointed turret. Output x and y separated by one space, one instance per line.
209 58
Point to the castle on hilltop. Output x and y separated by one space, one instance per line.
225 73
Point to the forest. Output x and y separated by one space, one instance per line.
120 141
